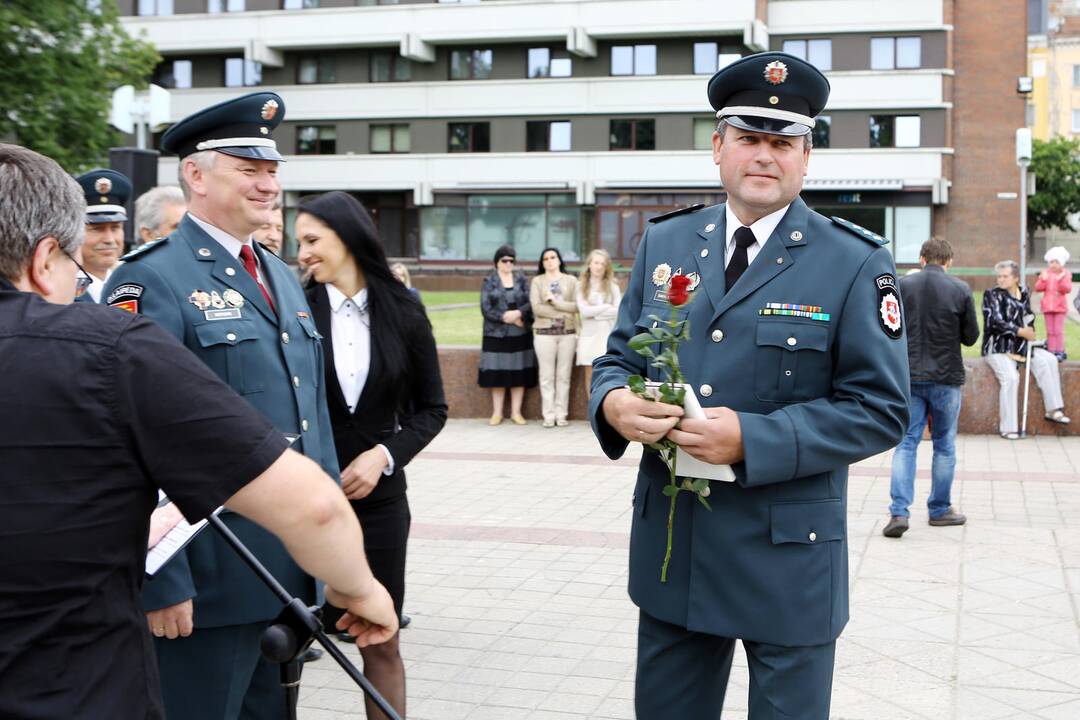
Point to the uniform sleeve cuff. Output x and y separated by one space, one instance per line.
770 448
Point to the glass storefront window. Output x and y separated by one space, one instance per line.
911 228
442 233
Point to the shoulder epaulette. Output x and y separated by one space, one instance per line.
143 249
681 211
860 231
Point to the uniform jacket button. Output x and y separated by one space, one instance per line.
296 381
230 271
231 337
285 338
704 252
813 536
717 335
705 390
791 341
304 425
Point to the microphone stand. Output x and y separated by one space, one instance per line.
293 631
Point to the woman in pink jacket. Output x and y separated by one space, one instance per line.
1055 283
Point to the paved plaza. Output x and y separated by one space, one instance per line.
517 587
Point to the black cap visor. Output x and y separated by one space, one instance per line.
252 152
772 126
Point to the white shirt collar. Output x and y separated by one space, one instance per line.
232 245
762 229
338 298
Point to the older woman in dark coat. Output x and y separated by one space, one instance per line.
507 359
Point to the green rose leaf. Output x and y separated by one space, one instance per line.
637 384
641 341
670 490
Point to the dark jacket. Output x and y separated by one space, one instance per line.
494 301
404 418
1003 315
940 312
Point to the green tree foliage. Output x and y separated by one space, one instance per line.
1056 165
61 60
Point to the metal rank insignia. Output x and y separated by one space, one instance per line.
200 299
810 312
232 298
215 300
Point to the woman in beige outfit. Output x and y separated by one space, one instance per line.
598 302
553 296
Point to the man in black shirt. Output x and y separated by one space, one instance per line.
102 408
941 315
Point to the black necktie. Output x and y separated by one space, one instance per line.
744 238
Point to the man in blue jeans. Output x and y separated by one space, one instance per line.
940 311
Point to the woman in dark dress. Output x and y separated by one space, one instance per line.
507 359
383 389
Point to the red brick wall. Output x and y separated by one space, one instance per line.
989 47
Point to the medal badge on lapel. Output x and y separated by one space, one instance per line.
661 278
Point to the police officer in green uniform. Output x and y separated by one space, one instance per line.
798 358
243 313
107 193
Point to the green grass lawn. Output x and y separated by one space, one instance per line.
1072 332
461 326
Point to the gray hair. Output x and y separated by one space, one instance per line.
39 200
204 159
808 138
1008 265
149 208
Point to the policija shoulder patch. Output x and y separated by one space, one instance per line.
126 297
889 313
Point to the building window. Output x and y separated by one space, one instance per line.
541 64
319 69
299 4
174 74
708 58
390 138
822 130
240 72
220 6
703 132
888 53
894 131
155 7
1076 75
471 227
316 140
633 60
816 52
470 64
390 67
469 137
547 135
1076 121
633 134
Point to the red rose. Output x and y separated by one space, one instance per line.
679 290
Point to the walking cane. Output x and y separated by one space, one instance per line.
1027 385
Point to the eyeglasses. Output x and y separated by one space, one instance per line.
507 260
83 279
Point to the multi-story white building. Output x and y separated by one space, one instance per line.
463 125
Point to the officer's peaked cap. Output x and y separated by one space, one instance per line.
771 92
107 193
242 127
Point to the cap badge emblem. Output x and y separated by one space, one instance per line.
270 108
103 185
776 72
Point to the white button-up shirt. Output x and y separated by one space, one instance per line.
762 229
350 332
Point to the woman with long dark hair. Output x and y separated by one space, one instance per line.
383 388
553 296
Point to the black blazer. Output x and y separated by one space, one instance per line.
404 418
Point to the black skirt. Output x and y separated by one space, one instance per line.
508 362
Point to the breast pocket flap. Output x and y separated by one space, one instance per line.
793 336
225 332
808 523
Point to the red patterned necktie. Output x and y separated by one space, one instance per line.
247 256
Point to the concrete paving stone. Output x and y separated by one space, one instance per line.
1069 710
552 715
436 709
490 712
579 703
516 697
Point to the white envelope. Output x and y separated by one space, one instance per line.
686 465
